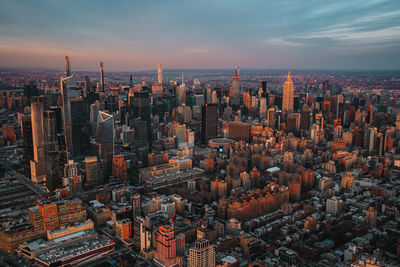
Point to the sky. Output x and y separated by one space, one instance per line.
131 35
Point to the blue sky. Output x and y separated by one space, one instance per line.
137 35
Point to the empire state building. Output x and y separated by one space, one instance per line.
288 95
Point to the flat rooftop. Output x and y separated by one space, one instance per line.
158 181
68 246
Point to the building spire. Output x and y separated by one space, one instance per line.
67 66
289 76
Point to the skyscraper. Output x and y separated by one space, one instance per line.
264 86
235 93
141 235
166 248
26 130
263 107
102 76
66 115
136 205
67 66
202 254
52 151
159 74
88 86
181 93
92 172
80 125
288 95
209 122
141 109
38 164
71 179
104 134
305 118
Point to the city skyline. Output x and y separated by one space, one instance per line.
200 133
131 36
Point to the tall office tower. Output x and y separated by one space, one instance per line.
372 135
159 73
71 179
52 151
38 164
157 89
79 122
293 120
305 120
59 124
235 93
339 103
214 97
263 107
166 248
141 109
202 254
397 124
105 134
67 66
247 99
288 95
93 114
120 168
209 122
87 84
271 117
141 235
181 93
66 112
380 144
136 205
264 87
130 81
26 130
102 76
92 172
208 94
370 115
337 132
141 105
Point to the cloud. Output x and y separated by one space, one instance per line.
202 33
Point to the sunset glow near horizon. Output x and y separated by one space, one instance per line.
137 35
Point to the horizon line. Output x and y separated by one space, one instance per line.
202 69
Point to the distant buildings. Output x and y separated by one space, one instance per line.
235 89
101 76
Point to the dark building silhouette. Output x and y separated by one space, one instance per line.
52 150
80 126
26 129
209 122
66 115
